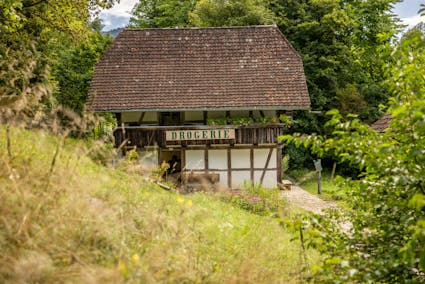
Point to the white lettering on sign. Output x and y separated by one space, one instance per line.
206 134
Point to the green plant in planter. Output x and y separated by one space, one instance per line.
217 121
286 120
242 120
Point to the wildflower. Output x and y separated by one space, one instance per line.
180 200
255 198
135 258
189 203
123 268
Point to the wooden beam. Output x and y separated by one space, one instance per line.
205 117
279 163
118 118
251 160
183 164
142 116
206 163
267 165
229 168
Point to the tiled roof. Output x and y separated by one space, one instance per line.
199 68
382 124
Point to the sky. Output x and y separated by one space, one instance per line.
119 15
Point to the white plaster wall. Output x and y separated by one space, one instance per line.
148 159
260 158
240 158
239 113
269 113
193 115
151 116
135 116
216 114
270 178
217 159
195 159
130 116
239 178
223 178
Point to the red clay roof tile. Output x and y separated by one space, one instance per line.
199 68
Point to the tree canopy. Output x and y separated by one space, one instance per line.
387 204
344 44
32 34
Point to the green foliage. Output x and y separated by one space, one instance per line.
74 69
217 13
284 119
385 243
199 13
344 45
256 199
98 224
31 35
162 13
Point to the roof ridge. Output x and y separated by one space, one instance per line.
202 28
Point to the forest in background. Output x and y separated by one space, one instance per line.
354 63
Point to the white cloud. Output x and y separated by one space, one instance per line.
122 9
412 21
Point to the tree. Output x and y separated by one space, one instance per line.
75 66
162 13
387 201
30 34
217 13
344 45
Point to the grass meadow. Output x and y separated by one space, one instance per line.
67 219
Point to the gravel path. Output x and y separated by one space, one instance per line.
301 198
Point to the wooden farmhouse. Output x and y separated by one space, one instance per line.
209 99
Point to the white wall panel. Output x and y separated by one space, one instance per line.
195 159
135 116
260 158
216 114
223 178
270 178
269 113
239 177
240 158
148 159
217 159
239 113
193 115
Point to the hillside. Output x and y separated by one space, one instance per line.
68 219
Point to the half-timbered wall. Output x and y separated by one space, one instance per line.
235 166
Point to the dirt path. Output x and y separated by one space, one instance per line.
301 198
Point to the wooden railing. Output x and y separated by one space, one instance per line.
142 136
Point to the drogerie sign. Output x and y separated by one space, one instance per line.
206 134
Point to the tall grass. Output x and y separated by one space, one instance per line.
66 219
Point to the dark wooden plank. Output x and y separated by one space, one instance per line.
251 162
206 162
142 116
267 165
279 163
229 168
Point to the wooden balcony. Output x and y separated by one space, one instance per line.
142 136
